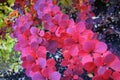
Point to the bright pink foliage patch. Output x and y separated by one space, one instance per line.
80 49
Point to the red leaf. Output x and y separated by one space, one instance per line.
66 55
27 64
98 61
51 62
68 71
47 35
116 75
69 41
64 63
45 72
35 68
107 74
97 78
87 34
89 66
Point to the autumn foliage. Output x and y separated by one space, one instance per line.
49 29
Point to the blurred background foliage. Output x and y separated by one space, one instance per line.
9 59
5 9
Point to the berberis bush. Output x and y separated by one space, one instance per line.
46 30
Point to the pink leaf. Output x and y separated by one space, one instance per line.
74 50
34 45
55 76
70 30
57 32
42 62
33 30
39 40
37 76
80 26
101 70
100 47
86 58
41 33
52 46
75 77
115 64
26 51
88 46
109 58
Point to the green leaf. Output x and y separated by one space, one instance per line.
8 57
66 2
